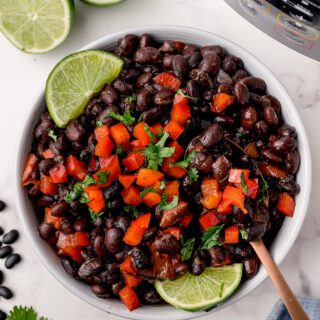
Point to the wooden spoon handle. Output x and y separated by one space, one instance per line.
293 306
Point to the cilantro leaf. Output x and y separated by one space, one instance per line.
210 237
243 183
131 209
131 99
263 191
244 234
99 123
24 313
179 91
149 133
163 201
94 216
193 174
78 189
187 248
169 205
162 185
185 163
119 150
52 135
103 176
126 118
145 191
141 116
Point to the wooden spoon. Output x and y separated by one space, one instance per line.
293 306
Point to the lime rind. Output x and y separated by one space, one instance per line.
76 79
51 27
196 293
101 3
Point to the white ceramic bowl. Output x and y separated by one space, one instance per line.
281 245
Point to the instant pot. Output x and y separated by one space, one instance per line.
295 23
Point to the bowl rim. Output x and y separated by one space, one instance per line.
41 250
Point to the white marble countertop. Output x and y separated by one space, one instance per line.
21 77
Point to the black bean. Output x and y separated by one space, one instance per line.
225 120
287 130
112 273
223 77
123 222
240 74
271 101
221 167
193 89
198 264
66 227
150 234
283 144
3 315
292 161
74 131
188 50
81 224
46 231
2 205
45 166
143 80
212 49
99 247
12 260
127 45
10 237
152 115
143 100
69 266
1 277
89 268
210 64
272 156
141 258
217 255
59 209
254 84
163 97
270 115
167 47
180 66
145 40
151 296
249 117
109 95
225 88
122 86
289 185
42 129
101 291
212 135
5 292
147 55
202 77
113 240
110 192
194 60
116 287
256 231
1 231
250 267
166 243
262 129
202 162
242 93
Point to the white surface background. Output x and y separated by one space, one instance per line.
22 76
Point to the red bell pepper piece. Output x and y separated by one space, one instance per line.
137 229
58 174
129 298
252 184
167 80
141 134
224 207
151 199
92 192
174 128
48 154
120 134
286 204
131 196
235 175
127 266
174 231
76 168
231 235
178 151
208 220
156 128
111 166
97 205
126 180
50 219
181 110
211 192
235 197
147 177
175 172
179 45
104 147
29 166
93 164
253 188
172 189
133 161
136 145
185 221
131 280
47 186
221 102
101 132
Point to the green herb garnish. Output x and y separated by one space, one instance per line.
189 97
94 216
193 175
244 234
224 179
185 163
162 185
103 176
78 189
145 191
99 123
141 116
170 205
24 313
131 209
243 183
263 191
187 248
126 118
131 99
210 237
119 150
52 135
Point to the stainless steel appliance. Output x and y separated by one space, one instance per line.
295 23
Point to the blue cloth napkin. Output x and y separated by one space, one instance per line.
311 306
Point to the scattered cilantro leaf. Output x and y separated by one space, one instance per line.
160 133
163 201
149 133
189 97
185 163
210 237
103 176
99 123
52 135
141 116
94 216
131 99
126 118
78 189
193 175
162 185
187 248
263 191
224 179
244 234
119 150
243 183
24 313
171 204
131 209
145 191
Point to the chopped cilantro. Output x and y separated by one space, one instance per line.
185 163
243 183
52 135
187 248
145 191
162 185
24 313
126 118
131 209
193 175
119 150
189 97
94 216
131 99
78 189
263 191
210 237
99 123
170 205
244 234
103 176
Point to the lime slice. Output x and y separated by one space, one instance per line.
75 79
101 3
36 26
194 293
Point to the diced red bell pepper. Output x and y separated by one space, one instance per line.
147 177
58 174
93 164
178 151
252 184
131 196
251 150
231 235
179 45
104 147
131 280
156 128
111 166
167 80
174 231
76 168
211 192
133 161
96 200
172 189
253 188
185 221
151 199
101 132
211 201
50 219
47 186
286 204
129 298
141 134
127 180
92 192
180 112
221 101
235 197
174 128
224 207
136 145
29 166
120 134
48 154
156 186
175 172
137 229
235 175
208 220
127 265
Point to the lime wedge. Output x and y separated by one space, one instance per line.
195 293
36 26
101 3
75 79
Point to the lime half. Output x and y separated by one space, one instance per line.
75 79
36 26
195 293
101 3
